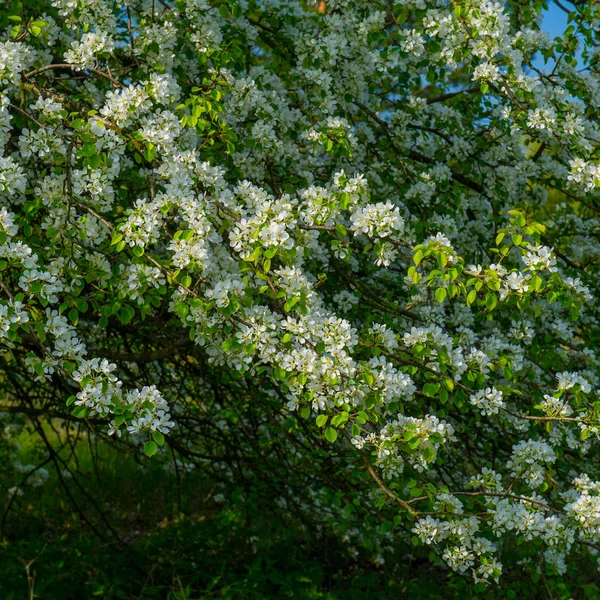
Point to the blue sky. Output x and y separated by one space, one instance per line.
554 23
555 20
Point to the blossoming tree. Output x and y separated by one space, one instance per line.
347 248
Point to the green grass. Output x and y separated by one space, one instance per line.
175 542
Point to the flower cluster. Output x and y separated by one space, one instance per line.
488 401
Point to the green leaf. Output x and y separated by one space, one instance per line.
490 301
95 161
321 420
362 417
182 309
126 314
79 412
290 304
117 236
431 389
279 373
428 454
331 434
443 395
74 316
440 294
158 437
150 448
88 149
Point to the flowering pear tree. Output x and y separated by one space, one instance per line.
348 249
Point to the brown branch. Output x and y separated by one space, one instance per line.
405 505
417 156
71 67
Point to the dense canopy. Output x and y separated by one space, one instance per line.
341 258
